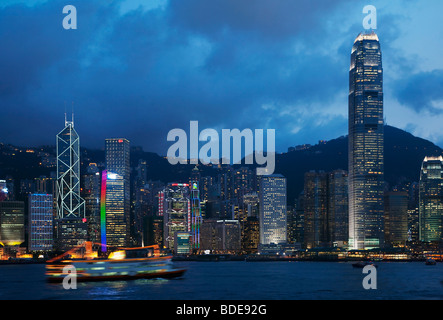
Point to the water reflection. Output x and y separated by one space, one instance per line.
112 289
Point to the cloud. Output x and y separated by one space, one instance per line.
422 92
137 71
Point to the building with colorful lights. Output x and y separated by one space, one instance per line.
91 195
175 207
196 212
113 220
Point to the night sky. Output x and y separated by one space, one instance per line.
139 68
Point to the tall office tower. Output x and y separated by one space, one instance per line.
91 195
366 139
300 218
250 235
226 183
338 206
272 209
117 156
70 224
316 209
221 236
196 216
142 208
176 209
396 218
431 199
113 220
413 212
153 231
291 225
40 222
12 223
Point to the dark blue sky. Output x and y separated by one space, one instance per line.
139 68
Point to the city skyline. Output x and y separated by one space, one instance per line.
281 55
330 191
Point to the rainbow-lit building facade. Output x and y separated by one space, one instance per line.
112 211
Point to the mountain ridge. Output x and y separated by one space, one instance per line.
404 154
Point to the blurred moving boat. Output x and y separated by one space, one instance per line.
122 264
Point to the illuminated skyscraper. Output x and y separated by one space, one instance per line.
196 216
91 195
40 222
12 223
175 206
112 211
117 154
71 227
272 209
366 140
250 235
431 200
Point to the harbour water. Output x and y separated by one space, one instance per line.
239 280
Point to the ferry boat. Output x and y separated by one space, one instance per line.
121 264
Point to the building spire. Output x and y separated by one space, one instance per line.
71 123
72 110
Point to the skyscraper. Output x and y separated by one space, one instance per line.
71 227
316 209
40 222
112 212
117 154
431 200
175 206
91 195
366 139
12 223
272 209
325 202
338 214
196 216
396 218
